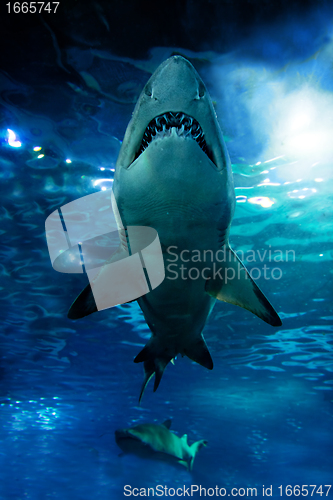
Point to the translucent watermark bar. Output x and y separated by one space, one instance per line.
87 236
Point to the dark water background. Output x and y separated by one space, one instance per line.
68 84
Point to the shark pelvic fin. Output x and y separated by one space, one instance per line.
143 355
237 287
198 351
83 305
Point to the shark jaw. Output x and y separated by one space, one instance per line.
176 124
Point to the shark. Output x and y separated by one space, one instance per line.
174 174
158 442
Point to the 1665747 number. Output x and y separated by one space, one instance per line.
32 7
304 490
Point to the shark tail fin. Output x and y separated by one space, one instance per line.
237 287
195 447
154 364
83 305
198 351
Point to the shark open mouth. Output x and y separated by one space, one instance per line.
168 123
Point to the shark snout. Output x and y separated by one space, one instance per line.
176 77
121 434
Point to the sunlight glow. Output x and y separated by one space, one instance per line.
304 125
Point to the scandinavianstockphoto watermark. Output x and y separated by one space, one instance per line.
224 264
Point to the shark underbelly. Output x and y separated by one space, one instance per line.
187 203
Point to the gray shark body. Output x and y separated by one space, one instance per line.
174 174
158 442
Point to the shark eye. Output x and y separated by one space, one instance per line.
202 89
148 90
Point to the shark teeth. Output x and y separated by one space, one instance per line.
174 123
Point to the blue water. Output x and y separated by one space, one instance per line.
266 409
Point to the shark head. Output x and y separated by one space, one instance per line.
174 102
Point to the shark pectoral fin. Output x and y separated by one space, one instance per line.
83 305
167 423
198 352
237 287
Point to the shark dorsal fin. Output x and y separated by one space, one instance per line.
184 438
183 462
167 423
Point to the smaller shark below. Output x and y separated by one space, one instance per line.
158 442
